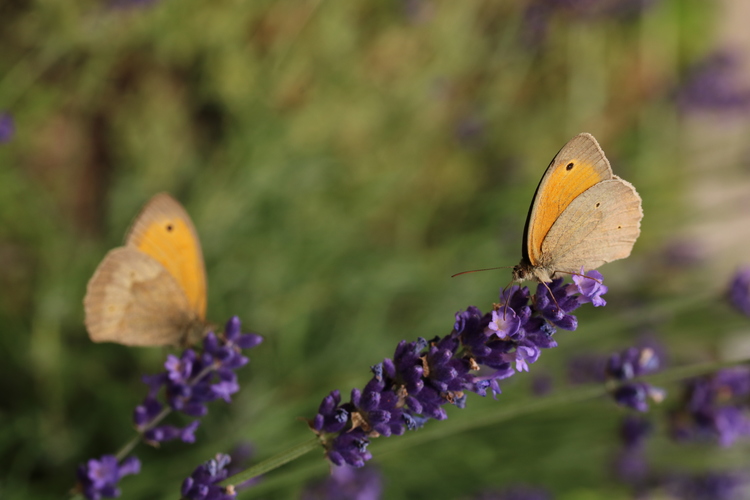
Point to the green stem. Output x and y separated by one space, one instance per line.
682 372
501 414
273 462
544 403
128 447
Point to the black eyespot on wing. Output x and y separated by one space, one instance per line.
569 166
169 227
598 203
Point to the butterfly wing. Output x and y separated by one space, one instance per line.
578 166
134 300
164 231
599 226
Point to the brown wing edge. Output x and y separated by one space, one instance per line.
113 312
634 204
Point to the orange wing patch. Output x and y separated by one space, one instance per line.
565 182
170 241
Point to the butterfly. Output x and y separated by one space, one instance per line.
152 290
582 215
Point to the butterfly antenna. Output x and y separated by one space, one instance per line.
502 294
551 294
478 270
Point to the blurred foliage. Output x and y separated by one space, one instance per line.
340 161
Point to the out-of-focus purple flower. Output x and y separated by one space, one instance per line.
98 478
624 366
682 253
541 384
146 411
632 362
739 291
7 127
194 379
201 484
631 467
713 84
422 377
636 395
630 463
347 483
634 430
708 486
714 407
241 454
586 369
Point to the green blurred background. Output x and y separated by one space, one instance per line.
340 161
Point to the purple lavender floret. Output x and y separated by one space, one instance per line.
590 287
347 483
194 379
98 478
7 127
627 365
714 407
557 310
146 411
632 362
201 484
423 376
349 448
163 433
739 291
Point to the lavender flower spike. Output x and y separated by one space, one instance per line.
715 406
98 478
631 363
422 377
201 484
194 379
713 84
7 127
346 483
739 291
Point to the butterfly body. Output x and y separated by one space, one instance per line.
581 216
152 290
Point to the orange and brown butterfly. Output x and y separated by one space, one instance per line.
582 215
152 290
